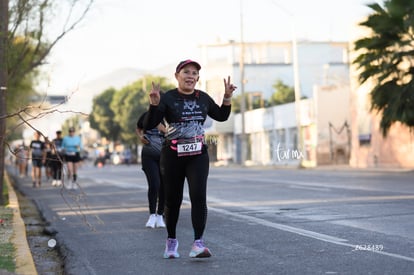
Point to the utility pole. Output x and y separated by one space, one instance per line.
298 107
4 22
243 145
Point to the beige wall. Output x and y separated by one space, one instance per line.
394 151
332 104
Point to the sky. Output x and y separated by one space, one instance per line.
151 34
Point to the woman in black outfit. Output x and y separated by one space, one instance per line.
57 159
150 159
184 153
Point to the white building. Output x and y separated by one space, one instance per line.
272 133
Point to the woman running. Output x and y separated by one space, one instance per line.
184 153
150 159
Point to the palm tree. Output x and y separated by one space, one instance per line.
386 58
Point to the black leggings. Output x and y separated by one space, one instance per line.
56 166
151 167
174 171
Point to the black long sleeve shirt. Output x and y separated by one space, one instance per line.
185 114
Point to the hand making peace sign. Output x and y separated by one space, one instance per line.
155 97
228 88
155 94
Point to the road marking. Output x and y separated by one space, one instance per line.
291 229
306 233
299 231
219 202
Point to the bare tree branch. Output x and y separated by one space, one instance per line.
42 49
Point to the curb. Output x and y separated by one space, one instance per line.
24 259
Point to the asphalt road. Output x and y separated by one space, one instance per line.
261 221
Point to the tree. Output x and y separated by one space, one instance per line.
283 94
75 121
385 57
20 89
236 103
251 102
29 22
4 7
130 102
102 116
25 44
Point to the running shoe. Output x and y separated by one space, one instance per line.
171 247
159 221
151 221
199 250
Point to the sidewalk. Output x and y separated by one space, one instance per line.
24 260
361 169
327 167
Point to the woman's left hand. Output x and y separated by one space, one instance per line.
229 88
144 140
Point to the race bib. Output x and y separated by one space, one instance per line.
189 148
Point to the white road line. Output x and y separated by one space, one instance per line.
306 233
299 231
287 228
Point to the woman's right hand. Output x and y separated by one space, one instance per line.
155 94
140 134
161 128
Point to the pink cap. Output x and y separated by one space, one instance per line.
186 62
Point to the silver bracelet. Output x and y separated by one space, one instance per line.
226 99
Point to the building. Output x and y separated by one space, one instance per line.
370 149
272 133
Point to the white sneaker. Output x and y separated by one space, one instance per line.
54 183
58 183
159 221
152 220
71 185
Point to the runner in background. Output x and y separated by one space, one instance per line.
56 159
38 155
150 159
72 146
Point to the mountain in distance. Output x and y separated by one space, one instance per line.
116 79
81 99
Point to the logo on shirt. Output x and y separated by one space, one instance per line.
190 105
